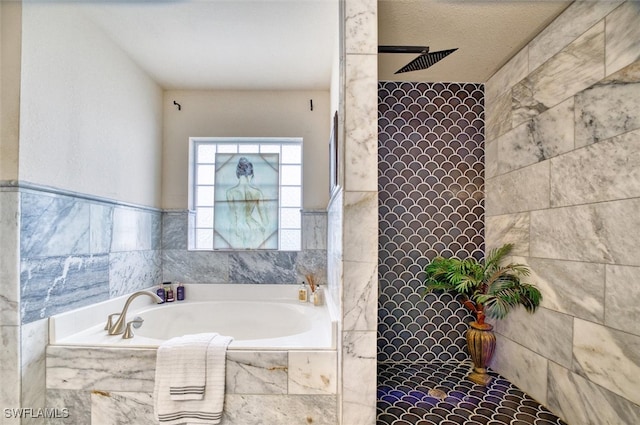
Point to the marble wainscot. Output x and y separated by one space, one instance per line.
110 380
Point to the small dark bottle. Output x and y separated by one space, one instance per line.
180 292
169 290
160 292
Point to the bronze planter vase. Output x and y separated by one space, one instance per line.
481 342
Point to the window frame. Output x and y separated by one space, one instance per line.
195 142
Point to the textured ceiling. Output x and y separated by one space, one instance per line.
291 44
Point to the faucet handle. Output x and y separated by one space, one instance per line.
109 324
135 323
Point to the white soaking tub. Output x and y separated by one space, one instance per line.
258 317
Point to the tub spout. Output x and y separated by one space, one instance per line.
119 326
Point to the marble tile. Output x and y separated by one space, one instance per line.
621 299
522 190
360 226
604 233
605 171
100 228
56 284
314 230
34 339
608 358
573 22
312 372
546 136
10 370
282 410
256 372
334 249
263 267
579 401
314 262
522 367
623 36
514 71
132 271
359 377
558 281
491 159
52 225
133 229
116 408
498 116
10 258
195 266
578 66
109 369
508 228
361 27
76 402
175 230
607 109
360 296
546 332
361 117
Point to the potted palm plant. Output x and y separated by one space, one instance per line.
488 289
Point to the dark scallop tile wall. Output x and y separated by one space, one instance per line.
431 202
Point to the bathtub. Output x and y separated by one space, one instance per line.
258 317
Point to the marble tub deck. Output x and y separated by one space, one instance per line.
440 394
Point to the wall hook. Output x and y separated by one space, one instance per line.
178 105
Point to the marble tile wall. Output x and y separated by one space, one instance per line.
563 142
76 251
112 386
270 267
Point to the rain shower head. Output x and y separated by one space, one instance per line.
423 61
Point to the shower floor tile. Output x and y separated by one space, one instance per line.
440 394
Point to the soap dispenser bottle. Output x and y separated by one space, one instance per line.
180 292
303 295
169 290
161 293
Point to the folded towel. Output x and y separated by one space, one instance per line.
208 410
184 360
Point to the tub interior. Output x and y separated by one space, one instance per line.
258 317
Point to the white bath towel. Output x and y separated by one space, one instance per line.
184 360
192 412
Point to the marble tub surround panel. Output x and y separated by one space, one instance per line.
314 224
10 395
623 36
175 229
77 402
10 258
576 67
134 270
360 296
582 243
100 228
359 386
34 339
135 230
583 402
291 388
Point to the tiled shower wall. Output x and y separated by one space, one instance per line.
563 154
431 202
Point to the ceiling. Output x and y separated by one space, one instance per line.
291 44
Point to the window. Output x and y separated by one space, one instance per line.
246 193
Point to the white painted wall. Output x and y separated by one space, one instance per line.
246 114
90 119
10 35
